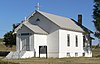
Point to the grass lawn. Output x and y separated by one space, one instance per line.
81 60
4 48
6 62
1 40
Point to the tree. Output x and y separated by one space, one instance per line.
96 16
15 26
10 39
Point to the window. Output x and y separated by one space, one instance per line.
76 37
37 19
68 54
68 39
83 54
18 34
84 41
76 54
25 34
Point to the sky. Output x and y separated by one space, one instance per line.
14 11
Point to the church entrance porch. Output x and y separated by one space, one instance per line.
25 43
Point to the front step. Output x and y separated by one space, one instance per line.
20 54
28 54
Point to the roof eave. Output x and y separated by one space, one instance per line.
85 29
71 30
35 31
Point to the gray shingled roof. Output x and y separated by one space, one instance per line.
35 28
62 22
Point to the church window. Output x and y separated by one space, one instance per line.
68 54
84 41
36 22
37 19
68 39
83 54
76 37
25 34
76 54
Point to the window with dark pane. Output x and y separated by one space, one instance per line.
25 34
37 19
76 54
68 54
68 39
84 41
76 37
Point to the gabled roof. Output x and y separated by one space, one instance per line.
62 22
83 27
34 28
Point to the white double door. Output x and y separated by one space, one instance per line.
25 43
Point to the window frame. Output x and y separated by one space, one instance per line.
84 40
76 40
68 40
76 54
25 34
68 54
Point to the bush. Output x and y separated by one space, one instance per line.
10 39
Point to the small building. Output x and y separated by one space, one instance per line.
48 35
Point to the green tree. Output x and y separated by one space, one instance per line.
96 16
15 26
10 39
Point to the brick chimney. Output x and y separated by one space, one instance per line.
80 19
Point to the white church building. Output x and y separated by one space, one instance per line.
48 35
